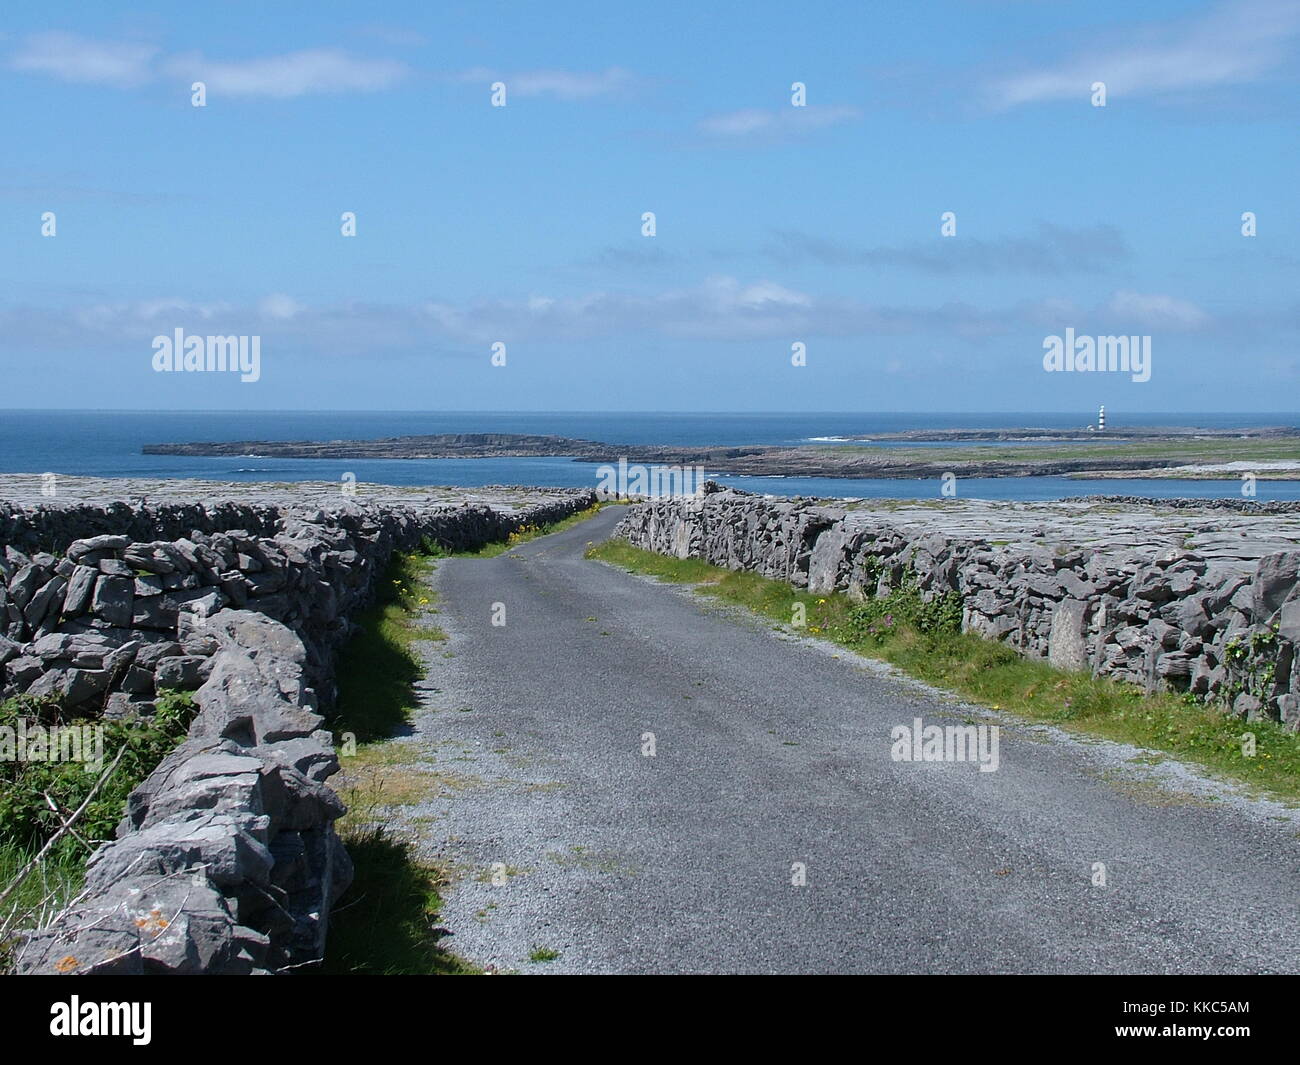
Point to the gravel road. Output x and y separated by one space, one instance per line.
772 754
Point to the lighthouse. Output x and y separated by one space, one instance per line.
1101 419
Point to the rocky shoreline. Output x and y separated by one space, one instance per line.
1128 432
433 446
1113 454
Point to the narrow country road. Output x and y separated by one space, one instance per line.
771 750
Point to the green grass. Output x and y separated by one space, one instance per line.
522 536
387 921
1173 451
650 564
379 666
995 675
542 954
27 789
50 887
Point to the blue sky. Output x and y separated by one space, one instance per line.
775 224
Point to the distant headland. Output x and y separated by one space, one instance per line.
1271 452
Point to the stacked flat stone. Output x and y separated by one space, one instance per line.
1151 613
227 860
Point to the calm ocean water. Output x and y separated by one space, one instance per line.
108 443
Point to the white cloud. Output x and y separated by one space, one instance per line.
150 310
280 307
560 84
71 57
1157 311
721 308
728 292
1233 43
128 65
739 123
568 85
756 123
320 70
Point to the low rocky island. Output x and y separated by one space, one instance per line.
432 446
1188 453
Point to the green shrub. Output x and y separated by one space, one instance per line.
27 789
878 619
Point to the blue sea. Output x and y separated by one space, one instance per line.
108 444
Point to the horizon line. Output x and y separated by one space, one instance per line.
732 413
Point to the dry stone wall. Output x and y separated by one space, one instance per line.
227 860
1161 617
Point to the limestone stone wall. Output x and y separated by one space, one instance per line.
1222 623
227 860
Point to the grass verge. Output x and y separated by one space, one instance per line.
522 536
387 921
379 666
925 641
